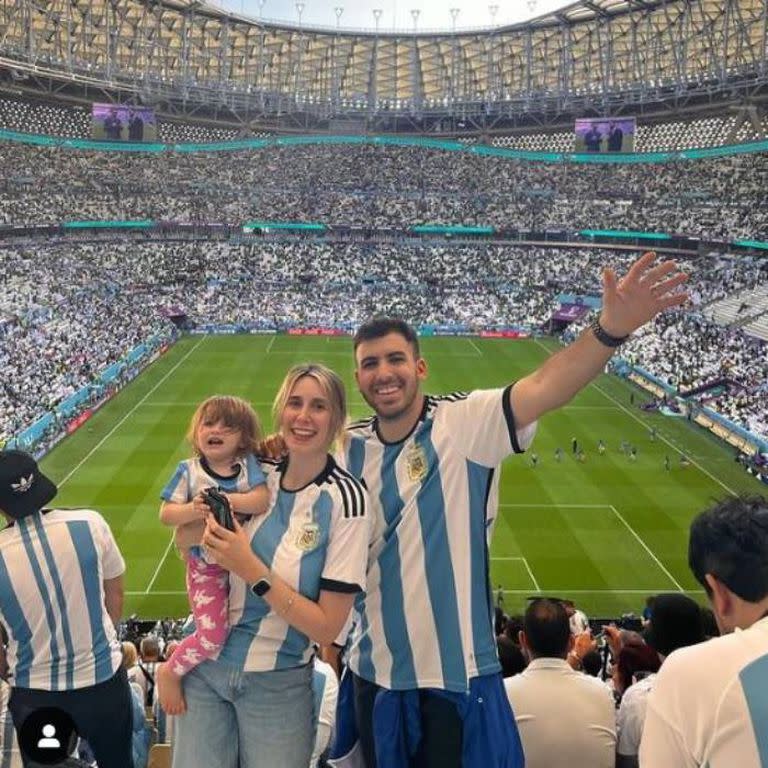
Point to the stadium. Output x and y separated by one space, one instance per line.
193 200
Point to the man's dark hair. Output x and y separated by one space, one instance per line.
381 326
730 541
511 657
547 629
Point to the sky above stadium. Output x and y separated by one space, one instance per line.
395 14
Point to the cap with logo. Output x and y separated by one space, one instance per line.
24 489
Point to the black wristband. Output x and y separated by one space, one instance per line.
604 337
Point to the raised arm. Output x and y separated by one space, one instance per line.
628 304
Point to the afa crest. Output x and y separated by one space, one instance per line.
308 537
416 462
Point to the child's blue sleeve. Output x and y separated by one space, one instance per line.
177 490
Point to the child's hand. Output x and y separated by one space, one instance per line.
201 509
229 549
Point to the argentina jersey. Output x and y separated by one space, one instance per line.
426 620
192 476
314 539
52 569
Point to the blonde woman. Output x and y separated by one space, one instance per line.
294 574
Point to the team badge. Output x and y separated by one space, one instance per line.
416 462
308 537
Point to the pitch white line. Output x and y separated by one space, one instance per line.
476 348
660 436
127 415
680 587
143 594
527 568
271 342
616 512
157 570
530 573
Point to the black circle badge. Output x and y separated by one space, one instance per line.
46 736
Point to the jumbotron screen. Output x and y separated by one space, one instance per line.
605 134
117 122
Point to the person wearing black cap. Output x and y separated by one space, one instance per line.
61 595
675 622
709 705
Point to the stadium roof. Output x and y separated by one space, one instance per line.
603 56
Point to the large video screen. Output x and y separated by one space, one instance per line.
605 134
119 122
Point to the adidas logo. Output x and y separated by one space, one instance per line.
24 484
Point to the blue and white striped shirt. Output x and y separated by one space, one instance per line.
314 539
52 568
192 476
426 620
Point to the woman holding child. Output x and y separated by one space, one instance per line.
293 576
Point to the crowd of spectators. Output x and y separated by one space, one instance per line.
386 187
69 311
63 321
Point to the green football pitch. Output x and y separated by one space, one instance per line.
606 532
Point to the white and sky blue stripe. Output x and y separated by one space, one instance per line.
52 569
192 476
426 620
335 502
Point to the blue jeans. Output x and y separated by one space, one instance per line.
239 719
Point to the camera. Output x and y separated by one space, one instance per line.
220 507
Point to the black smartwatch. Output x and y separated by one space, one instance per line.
604 337
261 587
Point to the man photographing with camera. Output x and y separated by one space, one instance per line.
61 594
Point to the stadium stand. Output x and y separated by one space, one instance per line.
89 304
387 187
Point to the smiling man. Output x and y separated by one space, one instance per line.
423 652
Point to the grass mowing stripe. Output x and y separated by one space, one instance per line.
626 410
125 418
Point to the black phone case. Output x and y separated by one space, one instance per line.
220 508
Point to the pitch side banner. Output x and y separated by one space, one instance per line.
504 335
